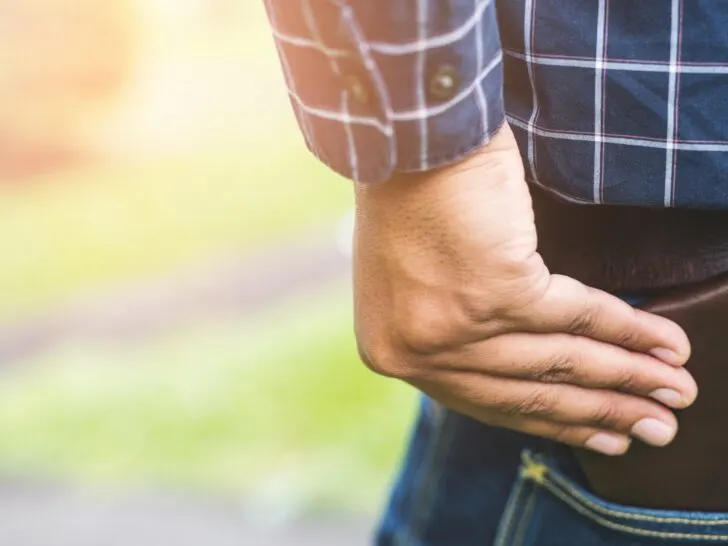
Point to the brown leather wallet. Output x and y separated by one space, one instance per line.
681 257
692 472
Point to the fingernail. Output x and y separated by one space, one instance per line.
670 398
668 356
609 444
654 432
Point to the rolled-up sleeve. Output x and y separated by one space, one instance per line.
380 86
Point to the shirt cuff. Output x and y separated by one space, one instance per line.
380 86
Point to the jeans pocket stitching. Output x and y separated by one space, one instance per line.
560 481
509 518
594 516
525 519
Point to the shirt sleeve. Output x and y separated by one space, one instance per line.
380 86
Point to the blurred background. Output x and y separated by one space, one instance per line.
177 363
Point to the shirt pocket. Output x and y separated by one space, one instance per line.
548 509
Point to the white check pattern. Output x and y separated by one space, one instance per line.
621 102
401 126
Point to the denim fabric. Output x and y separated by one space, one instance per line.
464 483
455 482
548 508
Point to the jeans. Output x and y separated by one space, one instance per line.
464 483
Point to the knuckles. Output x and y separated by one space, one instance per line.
583 323
561 369
539 403
607 414
381 358
409 343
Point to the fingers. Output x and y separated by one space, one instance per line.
595 439
488 397
569 306
608 443
564 358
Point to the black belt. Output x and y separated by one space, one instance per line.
630 249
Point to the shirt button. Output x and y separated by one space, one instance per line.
357 89
444 83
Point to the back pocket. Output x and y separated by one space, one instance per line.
548 509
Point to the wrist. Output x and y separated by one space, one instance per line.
491 165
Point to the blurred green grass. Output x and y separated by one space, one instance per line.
279 410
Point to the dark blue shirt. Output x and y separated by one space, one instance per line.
611 101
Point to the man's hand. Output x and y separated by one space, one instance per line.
452 297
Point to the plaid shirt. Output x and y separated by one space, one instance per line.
611 101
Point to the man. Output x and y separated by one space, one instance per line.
469 126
